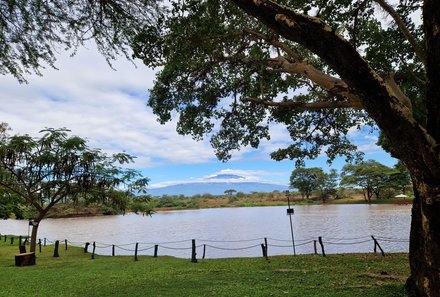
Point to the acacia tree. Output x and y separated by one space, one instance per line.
319 68
230 192
327 184
44 171
400 178
371 176
306 180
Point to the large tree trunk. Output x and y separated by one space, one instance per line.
424 250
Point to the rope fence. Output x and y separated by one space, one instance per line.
310 245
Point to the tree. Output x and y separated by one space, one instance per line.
400 178
319 68
230 192
305 180
32 32
327 184
44 171
371 176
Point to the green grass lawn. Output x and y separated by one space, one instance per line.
76 274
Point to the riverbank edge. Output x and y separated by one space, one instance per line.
256 204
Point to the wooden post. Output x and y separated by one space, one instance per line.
322 245
204 251
378 245
12 240
265 247
65 243
19 240
193 252
93 251
86 247
155 250
136 251
263 250
55 251
44 241
113 250
39 244
314 247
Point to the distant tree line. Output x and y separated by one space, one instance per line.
373 178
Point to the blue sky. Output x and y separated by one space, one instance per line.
109 109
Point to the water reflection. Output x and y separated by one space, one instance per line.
226 230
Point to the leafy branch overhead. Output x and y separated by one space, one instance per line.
33 33
229 74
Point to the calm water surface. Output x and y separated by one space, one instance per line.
235 232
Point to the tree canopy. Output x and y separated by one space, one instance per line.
306 180
230 75
370 175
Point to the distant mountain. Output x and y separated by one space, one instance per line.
216 188
226 176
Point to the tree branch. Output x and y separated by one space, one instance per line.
382 103
420 52
302 106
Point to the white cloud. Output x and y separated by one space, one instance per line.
105 106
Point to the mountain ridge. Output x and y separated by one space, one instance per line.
215 188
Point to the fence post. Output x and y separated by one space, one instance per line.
19 240
12 240
136 251
193 251
55 251
378 245
204 251
93 251
155 250
265 247
65 243
314 247
86 247
39 244
322 245
44 241
263 250
113 250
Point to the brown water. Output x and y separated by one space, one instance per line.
235 232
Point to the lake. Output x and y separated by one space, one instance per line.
234 232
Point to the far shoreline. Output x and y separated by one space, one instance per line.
346 201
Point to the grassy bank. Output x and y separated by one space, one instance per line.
178 203
75 274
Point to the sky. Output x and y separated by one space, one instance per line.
108 108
